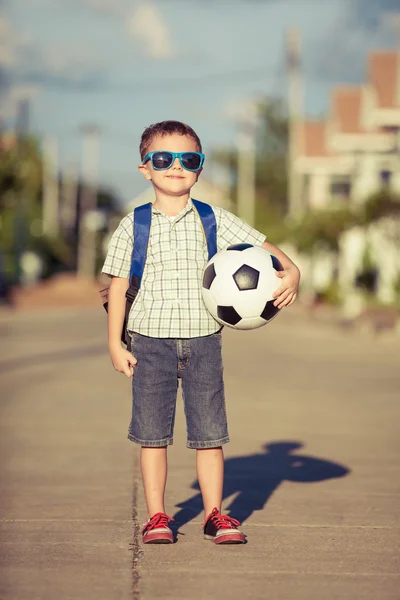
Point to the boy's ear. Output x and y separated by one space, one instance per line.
144 171
198 174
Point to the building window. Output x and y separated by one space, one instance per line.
340 186
385 176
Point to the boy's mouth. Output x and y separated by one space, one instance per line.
175 177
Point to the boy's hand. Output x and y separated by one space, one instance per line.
286 294
123 361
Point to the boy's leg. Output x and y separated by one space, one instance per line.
210 474
204 400
203 393
154 387
153 463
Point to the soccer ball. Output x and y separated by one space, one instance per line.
238 284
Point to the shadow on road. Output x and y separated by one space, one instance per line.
255 477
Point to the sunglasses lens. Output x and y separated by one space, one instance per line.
162 160
191 161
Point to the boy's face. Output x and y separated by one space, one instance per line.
176 180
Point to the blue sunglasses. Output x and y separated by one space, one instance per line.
163 159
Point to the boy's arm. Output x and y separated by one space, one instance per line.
231 229
116 310
122 360
286 294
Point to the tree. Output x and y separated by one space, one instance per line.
20 185
21 168
270 167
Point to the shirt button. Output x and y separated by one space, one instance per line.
177 274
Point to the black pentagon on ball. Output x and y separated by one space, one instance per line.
276 264
269 311
239 247
209 276
246 278
228 314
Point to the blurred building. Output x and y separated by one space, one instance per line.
7 141
355 150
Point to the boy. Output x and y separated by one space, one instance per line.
172 334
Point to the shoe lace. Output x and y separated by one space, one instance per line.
157 520
223 521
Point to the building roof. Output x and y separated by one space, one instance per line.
384 73
313 138
346 109
7 141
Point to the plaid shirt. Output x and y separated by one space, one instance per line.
169 302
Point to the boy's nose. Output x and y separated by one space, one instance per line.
176 164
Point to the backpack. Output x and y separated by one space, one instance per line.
141 232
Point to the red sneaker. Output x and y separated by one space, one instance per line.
156 530
222 529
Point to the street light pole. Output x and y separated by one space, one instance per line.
69 198
21 196
50 202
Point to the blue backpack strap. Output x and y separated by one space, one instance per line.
207 218
141 234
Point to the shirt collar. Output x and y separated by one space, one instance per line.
189 206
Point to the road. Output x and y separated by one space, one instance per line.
312 470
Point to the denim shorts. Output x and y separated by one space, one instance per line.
161 362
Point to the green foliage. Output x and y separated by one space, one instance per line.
273 130
270 221
321 228
331 295
270 167
381 204
21 168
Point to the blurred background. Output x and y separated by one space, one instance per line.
297 104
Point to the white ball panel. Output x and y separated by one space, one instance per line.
249 303
252 323
209 302
223 288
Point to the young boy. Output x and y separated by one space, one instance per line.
172 334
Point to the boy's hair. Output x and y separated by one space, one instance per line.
166 128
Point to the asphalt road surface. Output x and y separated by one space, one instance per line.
312 470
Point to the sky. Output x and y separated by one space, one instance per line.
121 65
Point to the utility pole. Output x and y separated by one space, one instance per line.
87 229
50 199
295 111
21 197
246 172
69 197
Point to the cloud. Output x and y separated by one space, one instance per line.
11 43
6 43
106 7
370 12
100 7
340 54
36 66
62 73
146 25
